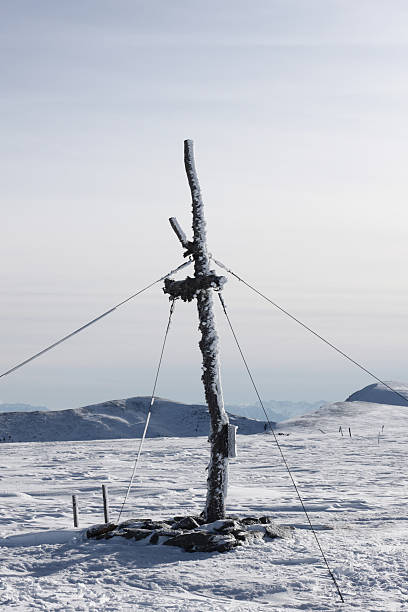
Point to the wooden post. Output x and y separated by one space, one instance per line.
75 510
201 287
105 503
218 467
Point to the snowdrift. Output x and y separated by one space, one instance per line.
379 394
123 418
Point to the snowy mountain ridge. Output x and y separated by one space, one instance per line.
20 407
277 410
378 393
124 418
370 418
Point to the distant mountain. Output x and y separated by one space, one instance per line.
123 418
276 410
20 408
364 418
380 394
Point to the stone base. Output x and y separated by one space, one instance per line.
191 532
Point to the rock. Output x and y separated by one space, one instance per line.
149 524
203 541
170 533
254 520
134 522
188 522
97 531
273 531
222 526
241 536
192 534
228 526
253 535
198 518
250 520
144 524
135 534
167 533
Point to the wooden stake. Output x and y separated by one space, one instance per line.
75 510
105 503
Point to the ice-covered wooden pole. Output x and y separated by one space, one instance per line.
201 287
218 467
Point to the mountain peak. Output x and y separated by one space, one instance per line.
378 393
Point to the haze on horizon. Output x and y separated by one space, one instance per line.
298 114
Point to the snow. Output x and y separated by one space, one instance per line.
354 489
123 418
380 394
369 417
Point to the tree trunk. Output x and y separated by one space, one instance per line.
218 467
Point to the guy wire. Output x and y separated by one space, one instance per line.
312 331
280 448
77 331
150 409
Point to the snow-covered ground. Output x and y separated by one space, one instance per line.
357 486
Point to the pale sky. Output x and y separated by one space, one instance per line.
298 114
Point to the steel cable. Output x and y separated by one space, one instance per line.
77 331
150 410
312 331
280 449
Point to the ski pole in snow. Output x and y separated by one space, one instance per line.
75 510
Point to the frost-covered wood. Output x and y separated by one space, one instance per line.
105 498
218 466
232 441
188 288
178 231
75 510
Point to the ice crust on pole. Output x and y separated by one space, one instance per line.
218 467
